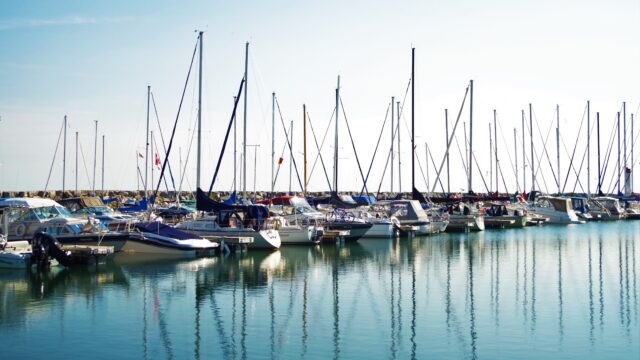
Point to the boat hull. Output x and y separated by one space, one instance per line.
465 223
293 235
505 222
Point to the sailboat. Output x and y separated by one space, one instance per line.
229 220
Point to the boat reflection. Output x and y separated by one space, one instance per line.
449 295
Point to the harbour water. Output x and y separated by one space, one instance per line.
552 292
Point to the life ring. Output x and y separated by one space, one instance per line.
276 224
21 230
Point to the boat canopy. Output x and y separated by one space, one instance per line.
204 203
558 203
28 202
342 202
164 230
77 203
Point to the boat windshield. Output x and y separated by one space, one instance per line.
45 212
301 205
348 199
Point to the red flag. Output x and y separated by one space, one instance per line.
280 160
157 161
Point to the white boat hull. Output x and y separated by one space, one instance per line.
380 230
293 235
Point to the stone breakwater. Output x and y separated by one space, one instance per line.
163 196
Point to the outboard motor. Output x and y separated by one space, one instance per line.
44 246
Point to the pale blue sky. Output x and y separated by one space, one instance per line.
93 61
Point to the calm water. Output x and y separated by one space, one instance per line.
552 292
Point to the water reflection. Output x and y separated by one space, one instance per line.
498 294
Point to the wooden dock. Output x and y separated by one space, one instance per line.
231 243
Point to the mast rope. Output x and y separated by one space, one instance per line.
289 144
54 157
175 124
375 151
226 136
315 139
164 147
354 146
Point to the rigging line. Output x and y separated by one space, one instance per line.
289 144
275 178
175 124
504 183
384 171
614 176
571 167
375 151
608 153
393 136
480 171
54 157
155 146
506 146
574 151
186 161
226 136
578 182
353 144
536 157
164 147
434 166
450 139
86 171
319 155
464 163
544 146
584 154
394 132
315 139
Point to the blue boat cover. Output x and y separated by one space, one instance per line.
205 203
232 200
164 230
365 200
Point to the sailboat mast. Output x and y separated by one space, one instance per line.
446 129
102 165
199 155
413 106
393 129
290 155
599 169
95 153
273 137
335 147
632 163
524 158
470 167
533 160
495 144
244 141
64 156
624 136
399 156
146 149
77 164
588 149
235 153
558 143
490 159
426 158
515 147
153 162
618 152
304 146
